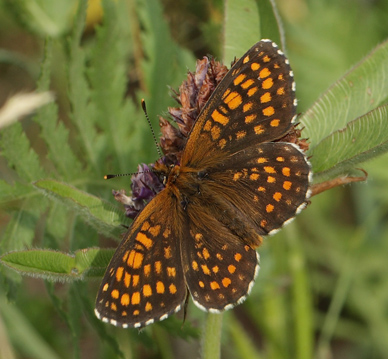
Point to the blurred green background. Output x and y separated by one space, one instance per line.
323 287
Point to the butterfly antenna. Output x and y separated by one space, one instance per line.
143 105
106 177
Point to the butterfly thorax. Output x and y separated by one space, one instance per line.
195 189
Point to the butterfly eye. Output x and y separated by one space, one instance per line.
184 203
202 174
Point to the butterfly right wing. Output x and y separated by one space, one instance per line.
144 280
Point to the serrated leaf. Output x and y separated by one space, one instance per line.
20 231
54 133
17 150
83 110
165 63
108 88
360 140
359 91
102 215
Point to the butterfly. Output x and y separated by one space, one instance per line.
236 182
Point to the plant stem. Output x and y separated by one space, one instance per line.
211 337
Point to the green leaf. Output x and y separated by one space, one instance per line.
93 261
362 89
40 263
54 265
165 63
16 148
54 133
99 213
45 17
24 333
247 22
83 111
362 139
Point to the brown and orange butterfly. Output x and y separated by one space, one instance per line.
235 182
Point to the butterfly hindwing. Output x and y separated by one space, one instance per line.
267 184
219 267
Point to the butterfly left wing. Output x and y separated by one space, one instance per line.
144 281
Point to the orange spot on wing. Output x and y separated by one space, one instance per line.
144 240
269 169
247 83
287 185
147 290
269 208
286 171
226 282
258 129
205 269
271 179
268 111
167 252
119 273
252 91
159 287
239 79
277 196
124 299
172 289
220 118
127 279
264 73
247 106
158 267
265 98
155 230
171 271
233 100
250 118
214 285
135 298
267 83
115 294
135 280
231 268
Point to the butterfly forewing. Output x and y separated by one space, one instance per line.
144 280
255 102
